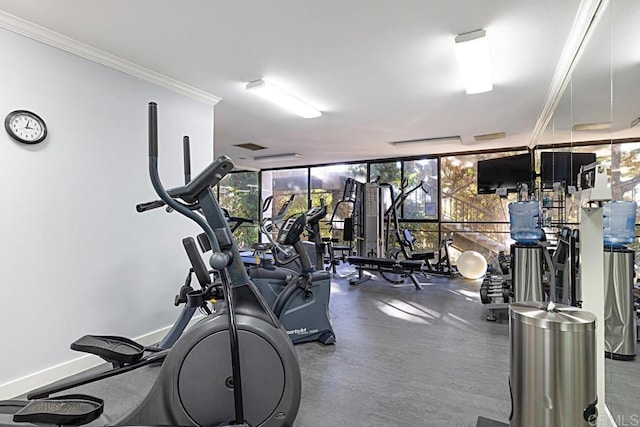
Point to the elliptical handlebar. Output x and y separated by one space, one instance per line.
186 156
169 196
209 177
190 193
147 206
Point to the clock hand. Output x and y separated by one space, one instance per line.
27 125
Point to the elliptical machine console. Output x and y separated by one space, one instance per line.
292 230
316 213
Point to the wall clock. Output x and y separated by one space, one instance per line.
25 127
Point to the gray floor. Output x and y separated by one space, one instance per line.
404 357
623 390
426 358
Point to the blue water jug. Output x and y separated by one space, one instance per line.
619 218
524 220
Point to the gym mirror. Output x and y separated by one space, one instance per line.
621 32
598 114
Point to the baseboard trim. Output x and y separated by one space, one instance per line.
610 421
21 386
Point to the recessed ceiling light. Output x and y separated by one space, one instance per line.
278 96
490 136
474 57
428 140
591 126
278 157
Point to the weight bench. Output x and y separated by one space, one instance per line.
405 268
407 241
441 267
330 249
343 250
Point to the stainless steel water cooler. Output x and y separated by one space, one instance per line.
620 333
526 272
553 365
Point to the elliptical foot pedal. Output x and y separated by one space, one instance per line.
111 348
327 338
70 410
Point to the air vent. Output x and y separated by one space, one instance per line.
441 139
591 126
250 146
278 157
489 136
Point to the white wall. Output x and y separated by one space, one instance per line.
75 257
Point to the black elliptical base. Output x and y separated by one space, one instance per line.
486 422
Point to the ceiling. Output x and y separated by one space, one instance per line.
605 86
380 71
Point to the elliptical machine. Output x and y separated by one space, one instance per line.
299 299
200 382
313 247
282 255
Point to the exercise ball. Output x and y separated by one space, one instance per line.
472 265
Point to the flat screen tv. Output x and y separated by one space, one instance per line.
562 166
504 172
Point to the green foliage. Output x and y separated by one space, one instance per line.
388 172
238 193
423 172
425 235
461 203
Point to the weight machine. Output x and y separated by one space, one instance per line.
366 227
442 266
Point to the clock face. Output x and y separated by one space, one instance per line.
25 126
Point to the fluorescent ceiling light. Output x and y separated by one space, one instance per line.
428 140
474 58
591 126
271 93
277 157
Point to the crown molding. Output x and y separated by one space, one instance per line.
44 35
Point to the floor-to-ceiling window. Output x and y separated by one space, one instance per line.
238 194
444 202
420 208
473 221
284 192
328 187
